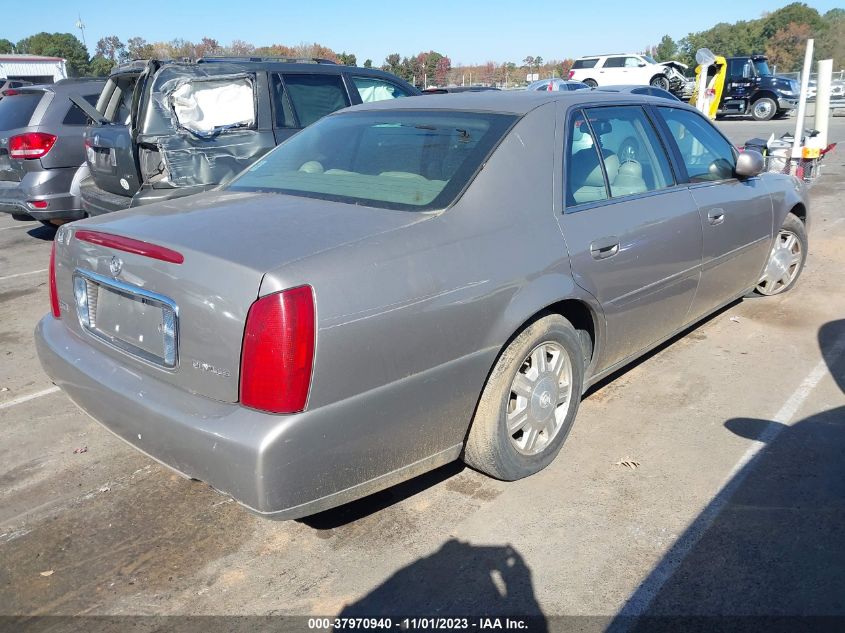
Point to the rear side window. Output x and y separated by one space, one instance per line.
705 153
405 160
585 63
16 110
75 116
371 89
315 96
584 175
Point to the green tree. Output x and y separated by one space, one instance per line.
137 48
795 13
6 47
111 48
393 64
347 59
100 66
64 45
666 50
368 63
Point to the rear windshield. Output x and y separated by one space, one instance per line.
16 110
408 160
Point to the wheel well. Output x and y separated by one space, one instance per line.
579 315
799 211
765 93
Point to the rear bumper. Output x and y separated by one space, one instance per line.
96 201
49 185
284 466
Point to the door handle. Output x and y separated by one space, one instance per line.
604 248
716 216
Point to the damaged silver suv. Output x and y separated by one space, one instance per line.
164 130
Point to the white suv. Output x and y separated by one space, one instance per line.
619 70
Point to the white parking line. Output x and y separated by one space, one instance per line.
27 398
31 272
19 226
638 604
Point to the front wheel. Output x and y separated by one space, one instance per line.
786 259
660 81
529 402
590 82
764 109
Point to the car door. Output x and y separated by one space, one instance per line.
736 214
633 234
611 71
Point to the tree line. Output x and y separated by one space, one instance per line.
780 34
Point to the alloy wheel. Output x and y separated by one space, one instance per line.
783 266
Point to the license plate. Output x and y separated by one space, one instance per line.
130 318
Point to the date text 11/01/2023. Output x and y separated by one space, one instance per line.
419 623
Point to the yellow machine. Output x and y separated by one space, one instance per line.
716 74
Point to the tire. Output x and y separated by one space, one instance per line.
660 81
490 447
591 83
786 259
763 109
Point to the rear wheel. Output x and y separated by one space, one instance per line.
591 83
764 109
786 259
660 81
529 402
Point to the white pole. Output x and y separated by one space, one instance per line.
802 100
823 100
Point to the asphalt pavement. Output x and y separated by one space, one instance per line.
706 480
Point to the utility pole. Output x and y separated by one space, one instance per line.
81 26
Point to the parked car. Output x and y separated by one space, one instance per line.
11 84
406 283
451 89
628 69
41 149
640 90
169 129
551 85
750 88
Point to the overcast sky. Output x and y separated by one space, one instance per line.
468 32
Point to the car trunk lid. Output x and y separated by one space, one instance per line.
226 242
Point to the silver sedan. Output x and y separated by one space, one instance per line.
408 283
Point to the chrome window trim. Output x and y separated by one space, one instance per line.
130 289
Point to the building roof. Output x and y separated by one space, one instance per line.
28 58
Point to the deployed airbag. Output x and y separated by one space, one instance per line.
208 106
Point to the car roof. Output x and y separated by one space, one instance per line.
517 102
66 85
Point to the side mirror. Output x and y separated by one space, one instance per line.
642 64
749 164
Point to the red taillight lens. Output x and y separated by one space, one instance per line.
571 73
129 245
31 145
54 293
11 92
278 351
38 204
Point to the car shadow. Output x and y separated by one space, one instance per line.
43 232
768 553
459 580
604 382
378 501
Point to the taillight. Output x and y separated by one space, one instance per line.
571 73
54 293
11 92
31 145
130 245
278 351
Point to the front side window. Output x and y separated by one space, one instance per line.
632 62
371 89
407 160
706 154
315 96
